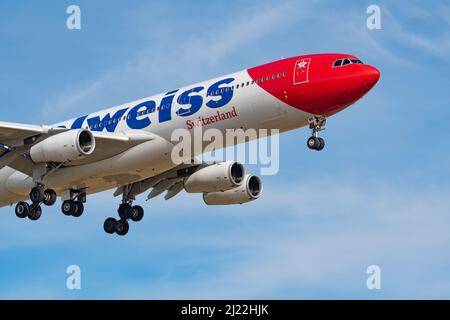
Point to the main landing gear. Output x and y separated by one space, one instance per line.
126 212
316 124
74 206
38 196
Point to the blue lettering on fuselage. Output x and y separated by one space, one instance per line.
195 102
165 107
225 93
136 119
78 123
108 122
190 102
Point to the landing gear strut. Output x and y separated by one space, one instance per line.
316 124
126 212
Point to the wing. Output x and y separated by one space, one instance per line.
13 134
170 181
16 140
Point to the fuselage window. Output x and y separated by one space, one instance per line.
262 79
284 74
279 75
268 78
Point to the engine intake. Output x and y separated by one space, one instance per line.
217 177
64 147
250 190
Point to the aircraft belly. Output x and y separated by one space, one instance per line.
145 160
14 186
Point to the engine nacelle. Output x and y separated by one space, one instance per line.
250 190
217 177
64 147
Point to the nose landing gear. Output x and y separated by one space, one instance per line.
315 143
316 124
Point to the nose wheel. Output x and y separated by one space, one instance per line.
316 124
316 143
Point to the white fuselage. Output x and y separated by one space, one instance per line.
254 108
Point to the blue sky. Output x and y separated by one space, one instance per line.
378 193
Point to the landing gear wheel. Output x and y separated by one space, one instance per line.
37 195
321 144
66 207
49 197
313 143
22 210
122 227
35 212
110 225
77 208
125 210
137 213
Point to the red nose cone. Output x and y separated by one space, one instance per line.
372 76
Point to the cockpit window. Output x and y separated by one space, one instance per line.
337 63
345 61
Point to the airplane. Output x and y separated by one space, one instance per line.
128 147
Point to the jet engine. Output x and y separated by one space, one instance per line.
64 147
217 177
248 191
